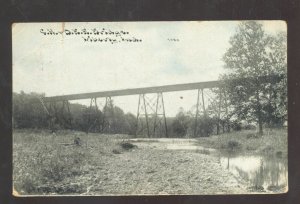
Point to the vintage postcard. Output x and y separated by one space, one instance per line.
150 108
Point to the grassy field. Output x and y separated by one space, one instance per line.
273 141
45 163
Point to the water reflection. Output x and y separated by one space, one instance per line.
264 173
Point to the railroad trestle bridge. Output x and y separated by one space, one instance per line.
151 120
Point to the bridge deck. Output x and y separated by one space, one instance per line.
161 89
135 91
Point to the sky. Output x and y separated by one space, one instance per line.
66 64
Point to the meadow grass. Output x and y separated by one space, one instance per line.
273 141
44 162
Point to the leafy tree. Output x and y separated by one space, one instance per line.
205 126
181 123
277 91
119 120
131 123
253 55
82 117
219 109
27 111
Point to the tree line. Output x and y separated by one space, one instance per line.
28 112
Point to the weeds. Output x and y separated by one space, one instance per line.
47 164
247 140
203 151
42 165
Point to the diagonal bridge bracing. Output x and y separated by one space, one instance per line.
151 117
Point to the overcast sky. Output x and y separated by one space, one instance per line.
61 64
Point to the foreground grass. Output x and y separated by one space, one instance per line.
273 141
44 163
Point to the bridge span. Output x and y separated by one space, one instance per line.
136 91
151 117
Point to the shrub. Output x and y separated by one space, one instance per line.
268 150
233 145
115 151
250 148
279 154
249 127
252 136
127 145
236 126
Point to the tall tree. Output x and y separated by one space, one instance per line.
277 92
254 54
27 111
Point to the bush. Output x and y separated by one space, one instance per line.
233 145
268 149
249 127
252 136
205 127
115 151
236 126
127 145
250 148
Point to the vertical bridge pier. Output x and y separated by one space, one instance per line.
151 116
58 112
210 108
152 110
103 120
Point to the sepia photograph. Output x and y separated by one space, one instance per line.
149 108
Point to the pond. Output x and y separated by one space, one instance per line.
264 173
